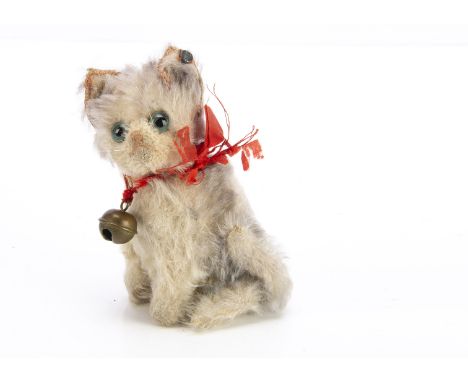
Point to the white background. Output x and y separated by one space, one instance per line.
362 111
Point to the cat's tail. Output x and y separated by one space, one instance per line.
227 303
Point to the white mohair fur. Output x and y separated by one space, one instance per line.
199 258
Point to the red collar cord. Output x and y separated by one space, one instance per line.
215 149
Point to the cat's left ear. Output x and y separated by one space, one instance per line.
95 83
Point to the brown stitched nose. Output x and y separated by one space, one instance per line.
137 139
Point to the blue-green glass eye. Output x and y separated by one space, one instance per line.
118 132
160 121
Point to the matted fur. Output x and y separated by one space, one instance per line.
200 258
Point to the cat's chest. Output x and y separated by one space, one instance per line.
173 213
163 211
167 225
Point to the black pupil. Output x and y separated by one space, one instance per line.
119 131
161 122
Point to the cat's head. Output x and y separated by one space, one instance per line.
136 112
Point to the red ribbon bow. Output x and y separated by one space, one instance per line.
215 149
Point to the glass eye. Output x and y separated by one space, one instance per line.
118 132
160 121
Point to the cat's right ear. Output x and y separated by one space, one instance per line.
95 83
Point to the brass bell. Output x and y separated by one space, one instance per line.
117 226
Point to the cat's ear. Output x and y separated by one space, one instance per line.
177 67
95 83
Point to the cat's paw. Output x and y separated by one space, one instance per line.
165 314
139 294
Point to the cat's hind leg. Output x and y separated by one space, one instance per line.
254 254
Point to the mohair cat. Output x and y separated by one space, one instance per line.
199 258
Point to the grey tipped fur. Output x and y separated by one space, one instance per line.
200 257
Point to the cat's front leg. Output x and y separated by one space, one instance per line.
172 293
136 279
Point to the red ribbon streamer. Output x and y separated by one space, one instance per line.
215 149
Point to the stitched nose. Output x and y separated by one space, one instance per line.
138 140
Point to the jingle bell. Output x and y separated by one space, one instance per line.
117 226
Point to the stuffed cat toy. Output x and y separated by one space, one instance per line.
198 256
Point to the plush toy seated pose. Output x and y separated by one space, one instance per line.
198 256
